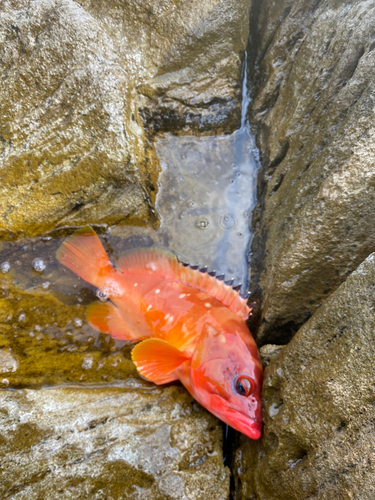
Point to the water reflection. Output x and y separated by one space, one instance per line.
207 194
206 197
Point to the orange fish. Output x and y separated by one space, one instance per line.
190 326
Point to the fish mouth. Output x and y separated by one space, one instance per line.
236 419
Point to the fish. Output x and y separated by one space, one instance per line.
187 325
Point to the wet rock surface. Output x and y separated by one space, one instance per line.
44 341
318 400
197 87
313 83
72 144
109 443
70 153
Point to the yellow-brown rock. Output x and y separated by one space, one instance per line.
73 76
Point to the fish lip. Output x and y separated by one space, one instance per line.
241 422
250 427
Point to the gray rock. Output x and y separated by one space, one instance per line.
109 443
197 87
318 395
313 76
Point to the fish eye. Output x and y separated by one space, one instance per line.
244 385
101 295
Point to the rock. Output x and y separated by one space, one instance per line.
318 396
68 144
313 77
109 443
73 150
7 362
197 87
268 352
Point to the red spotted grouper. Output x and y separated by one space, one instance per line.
189 325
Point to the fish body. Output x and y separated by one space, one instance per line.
188 325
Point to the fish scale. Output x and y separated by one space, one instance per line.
162 263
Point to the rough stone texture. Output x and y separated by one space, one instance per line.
73 74
313 73
268 352
68 146
109 444
319 413
197 87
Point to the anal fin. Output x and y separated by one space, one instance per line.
156 360
106 318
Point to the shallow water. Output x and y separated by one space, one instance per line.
207 191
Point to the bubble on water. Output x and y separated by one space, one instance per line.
4 267
46 285
78 322
87 363
228 221
39 265
202 224
22 317
190 204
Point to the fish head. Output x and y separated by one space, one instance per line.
226 378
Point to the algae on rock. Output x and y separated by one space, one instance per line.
44 342
109 443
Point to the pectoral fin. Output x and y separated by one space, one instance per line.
156 360
106 318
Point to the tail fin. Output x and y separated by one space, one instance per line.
84 254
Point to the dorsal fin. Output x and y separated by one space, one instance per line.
149 261
165 264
